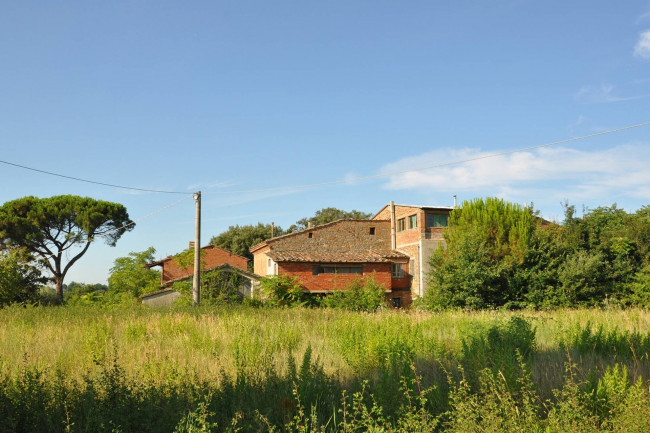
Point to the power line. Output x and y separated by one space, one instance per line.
91 181
445 164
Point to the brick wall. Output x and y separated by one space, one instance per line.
326 282
212 256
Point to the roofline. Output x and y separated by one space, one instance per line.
209 246
318 227
413 206
248 274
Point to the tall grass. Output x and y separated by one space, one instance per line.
140 369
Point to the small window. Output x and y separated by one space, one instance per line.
401 224
310 235
372 230
398 270
318 270
437 220
413 221
396 302
268 262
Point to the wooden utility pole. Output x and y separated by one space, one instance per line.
196 284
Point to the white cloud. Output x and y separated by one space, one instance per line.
604 93
548 173
642 47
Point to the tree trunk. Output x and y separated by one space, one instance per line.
58 284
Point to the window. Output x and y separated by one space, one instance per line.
372 230
332 269
413 221
398 270
396 302
310 235
401 224
437 220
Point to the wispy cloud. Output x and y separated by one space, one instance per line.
642 47
555 173
605 93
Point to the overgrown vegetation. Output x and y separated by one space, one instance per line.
502 255
243 369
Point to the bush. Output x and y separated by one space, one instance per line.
285 291
363 294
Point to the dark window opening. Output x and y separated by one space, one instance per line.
396 302
321 269
437 220
310 235
372 230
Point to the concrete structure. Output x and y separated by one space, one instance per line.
394 246
161 298
211 257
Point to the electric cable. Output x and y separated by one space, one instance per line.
91 181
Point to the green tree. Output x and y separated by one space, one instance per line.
130 274
47 227
20 279
327 215
238 239
487 243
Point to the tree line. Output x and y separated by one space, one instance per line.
500 254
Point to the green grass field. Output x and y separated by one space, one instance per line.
304 370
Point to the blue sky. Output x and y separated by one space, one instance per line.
257 95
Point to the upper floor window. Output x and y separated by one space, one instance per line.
401 224
372 230
413 221
437 220
398 270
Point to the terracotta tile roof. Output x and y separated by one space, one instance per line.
338 257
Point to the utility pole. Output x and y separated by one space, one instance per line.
196 284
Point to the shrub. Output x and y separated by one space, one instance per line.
363 294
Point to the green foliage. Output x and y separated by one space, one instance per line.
363 294
239 239
48 226
217 287
487 241
500 255
285 291
129 274
327 215
20 279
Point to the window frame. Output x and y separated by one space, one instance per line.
413 221
397 270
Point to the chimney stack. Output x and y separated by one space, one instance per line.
455 203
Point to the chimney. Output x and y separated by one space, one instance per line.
308 224
455 201
272 228
393 238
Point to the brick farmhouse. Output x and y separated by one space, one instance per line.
212 257
394 247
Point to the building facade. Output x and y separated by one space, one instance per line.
393 247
